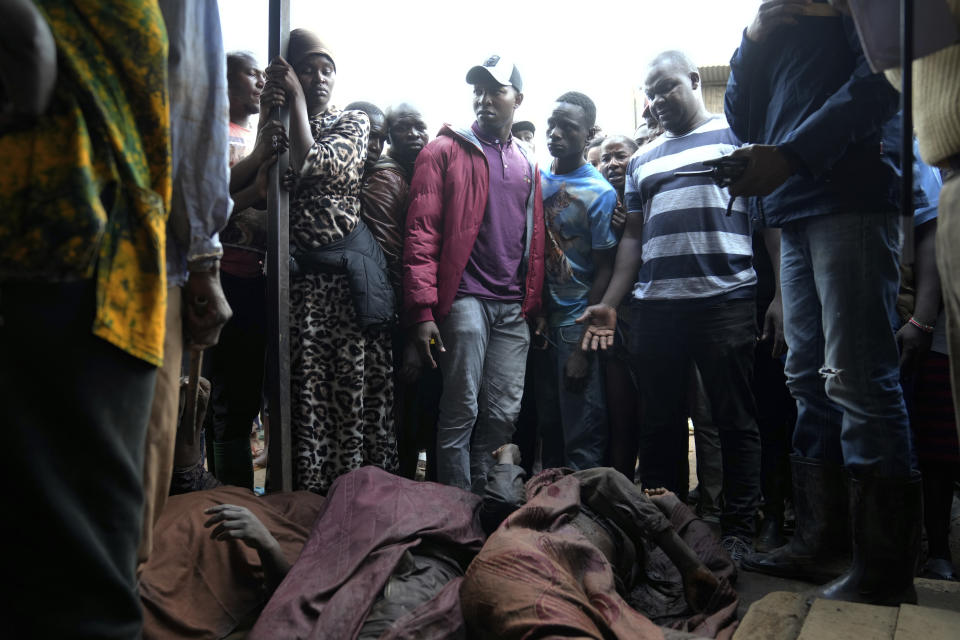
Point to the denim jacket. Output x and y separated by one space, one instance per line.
808 89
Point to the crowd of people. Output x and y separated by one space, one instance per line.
450 295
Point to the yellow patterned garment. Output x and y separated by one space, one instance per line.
84 193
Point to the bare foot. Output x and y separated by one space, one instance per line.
665 500
260 461
699 586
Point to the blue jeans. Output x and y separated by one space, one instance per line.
839 275
483 365
579 418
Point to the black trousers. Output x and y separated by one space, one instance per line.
75 412
720 338
235 365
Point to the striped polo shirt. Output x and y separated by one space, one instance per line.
691 249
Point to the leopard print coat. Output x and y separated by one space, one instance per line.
341 376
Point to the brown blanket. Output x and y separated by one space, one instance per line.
538 576
195 587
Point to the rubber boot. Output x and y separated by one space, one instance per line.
770 535
819 550
234 462
886 517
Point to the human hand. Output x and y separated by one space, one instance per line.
773 14
540 331
238 523
619 218
914 345
289 179
773 328
271 140
664 499
507 454
768 168
575 371
205 307
411 367
424 335
601 321
261 182
281 75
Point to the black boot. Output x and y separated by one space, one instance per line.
818 551
770 535
886 516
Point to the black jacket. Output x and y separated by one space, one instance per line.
359 257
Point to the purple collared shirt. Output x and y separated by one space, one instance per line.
494 271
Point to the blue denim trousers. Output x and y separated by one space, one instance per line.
839 275
580 430
483 366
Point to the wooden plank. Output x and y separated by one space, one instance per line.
924 623
938 594
776 616
836 620
280 468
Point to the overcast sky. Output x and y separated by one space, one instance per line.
388 51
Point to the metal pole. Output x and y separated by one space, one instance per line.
906 107
279 468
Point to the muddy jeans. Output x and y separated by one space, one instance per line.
483 367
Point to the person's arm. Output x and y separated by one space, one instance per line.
505 491
852 113
609 493
421 252
604 242
773 318
201 202
600 320
238 523
28 63
283 88
915 342
271 140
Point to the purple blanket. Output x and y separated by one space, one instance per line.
369 519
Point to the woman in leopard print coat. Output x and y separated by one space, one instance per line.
341 376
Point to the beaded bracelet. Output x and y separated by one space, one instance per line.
926 328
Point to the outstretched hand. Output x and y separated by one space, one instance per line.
601 321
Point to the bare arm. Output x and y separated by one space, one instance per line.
600 320
915 343
773 319
238 523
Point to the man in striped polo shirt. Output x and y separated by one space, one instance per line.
689 266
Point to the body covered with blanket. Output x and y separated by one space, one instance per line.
587 554
384 560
